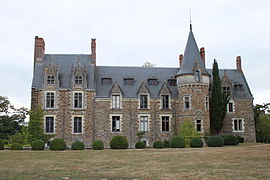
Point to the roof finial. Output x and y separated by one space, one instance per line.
190 24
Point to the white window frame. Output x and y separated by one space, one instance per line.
170 122
161 101
45 99
149 120
148 100
184 103
120 124
120 101
195 125
73 116
243 125
73 99
233 107
54 124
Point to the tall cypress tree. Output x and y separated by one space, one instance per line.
218 102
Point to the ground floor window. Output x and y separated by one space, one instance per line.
49 125
77 125
198 125
165 123
238 125
115 123
144 123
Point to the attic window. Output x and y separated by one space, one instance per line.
227 90
129 81
78 80
152 82
172 82
106 81
50 80
238 87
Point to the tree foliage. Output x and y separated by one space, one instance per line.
262 121
218 102
188 131
148 64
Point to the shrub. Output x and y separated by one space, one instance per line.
187 131
240 139
215 141
158 144
38 145
58 144
119 142
166 143
77 145
230 140
16 146
17 138
97 145
196 143
177 142
140 145
2 145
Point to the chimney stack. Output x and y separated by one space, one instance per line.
93 51
202 52
39 49
238 63
180 59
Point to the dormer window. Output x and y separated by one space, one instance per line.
197 75
78 80
129 81
50 80
238 87
152 82
106 81
172 82
227 90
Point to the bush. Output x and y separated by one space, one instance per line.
215 141
140 145
158 144
77 145
240 139
166 143
177 142
196 143
2 145
17 138
16 146
38 145
58 144
119 142
230 140
97 145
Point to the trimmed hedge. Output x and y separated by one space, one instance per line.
215 141
240 139
97 145
196 143
16 146
230 140
38 145
119 142
58 144
158 144
177 142
166 143
77 145
140 145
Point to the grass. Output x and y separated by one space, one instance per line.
232 162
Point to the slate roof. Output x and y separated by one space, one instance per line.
191 57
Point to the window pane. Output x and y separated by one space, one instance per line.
240 125
115 123
235 125
77 125
165 101
143 101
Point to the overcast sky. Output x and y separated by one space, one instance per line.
130 32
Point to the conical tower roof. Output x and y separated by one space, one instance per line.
191 58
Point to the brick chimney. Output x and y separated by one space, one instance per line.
39 49
93 51
180 59
238 63
202 52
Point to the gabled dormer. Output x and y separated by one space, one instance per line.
116 96
79 76
51 80
143 96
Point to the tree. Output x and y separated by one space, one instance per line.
148 64
187 131
262 122
218 102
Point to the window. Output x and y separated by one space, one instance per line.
206 103
129 81
49 100
197 75
172 82
49 125
50 80
238 87
77 125
115 123
78 80
106 81
77 100
144 123
187 102
230 107
152 82
238 125
227 90
198 125
143 101
116 101
165 101
165 125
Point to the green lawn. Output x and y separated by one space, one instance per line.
234 162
